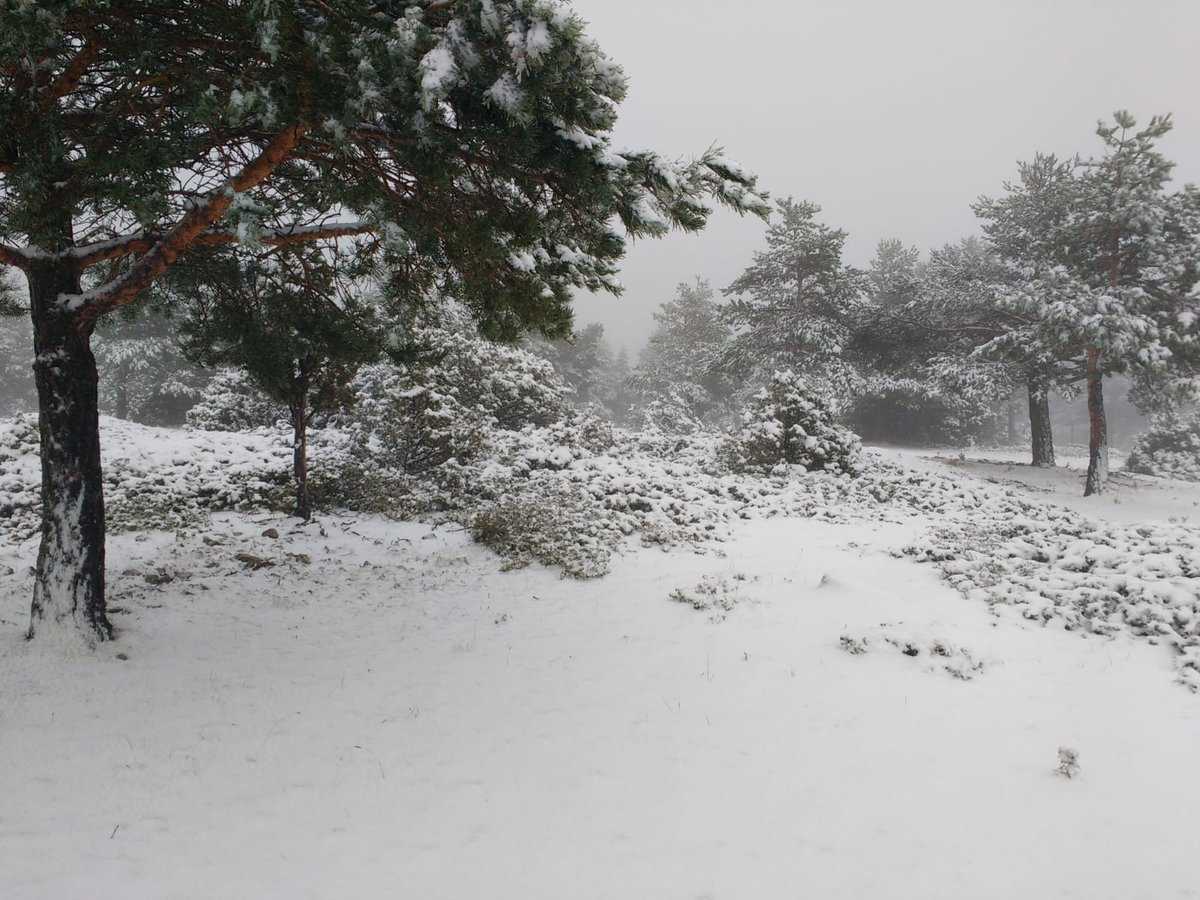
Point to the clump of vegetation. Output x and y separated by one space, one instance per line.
1170 449
789 425
231 401
556 525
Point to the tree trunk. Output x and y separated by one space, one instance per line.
299 408
1010 408
1040 434
68 591
1097 473
122 405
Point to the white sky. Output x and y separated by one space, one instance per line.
892 115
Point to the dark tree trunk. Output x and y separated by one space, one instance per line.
122 405
68 592
299 408
1097 473
1041 435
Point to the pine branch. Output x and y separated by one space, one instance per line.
117 248
162 255
69 79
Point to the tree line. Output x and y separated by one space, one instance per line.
1087 268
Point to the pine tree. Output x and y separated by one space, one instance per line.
286 317
143 373
912 342
581 360
682 361
793 306
1106 260
470 138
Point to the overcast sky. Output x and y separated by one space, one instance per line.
893 116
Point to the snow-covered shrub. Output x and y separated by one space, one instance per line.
232 402
672 412
405 423
1170 449
413 428
20 484
788 425
507 386
548 520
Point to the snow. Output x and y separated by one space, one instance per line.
360 704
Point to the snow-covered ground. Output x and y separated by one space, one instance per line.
365 708
1127 497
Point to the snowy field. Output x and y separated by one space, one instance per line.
365 708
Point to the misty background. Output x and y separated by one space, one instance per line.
893 117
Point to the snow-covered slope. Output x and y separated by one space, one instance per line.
363 708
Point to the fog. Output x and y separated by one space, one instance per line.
893 117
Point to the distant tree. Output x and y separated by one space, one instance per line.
466 144
288 320
793 307
893 276
681 364
617 388
582 360
145 376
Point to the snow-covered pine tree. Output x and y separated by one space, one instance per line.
616 390
293 319
1108 268
470 137
792 308
787 424
1026 229
681 364
908 344
581 360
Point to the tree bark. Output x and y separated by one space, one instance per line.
299 409
1097 473
1040 433
68 591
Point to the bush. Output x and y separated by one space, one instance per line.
787 425
1170 449
550 521
232 402
401 424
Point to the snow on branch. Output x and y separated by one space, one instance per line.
11 256
162 255
143 242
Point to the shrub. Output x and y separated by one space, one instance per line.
232 402
1170 449
787 425
550 521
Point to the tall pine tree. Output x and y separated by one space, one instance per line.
469 137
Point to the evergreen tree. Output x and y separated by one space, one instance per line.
143 373
617 389
1106 259
286 318
910 343
793 307
470 138
682 361
581 360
